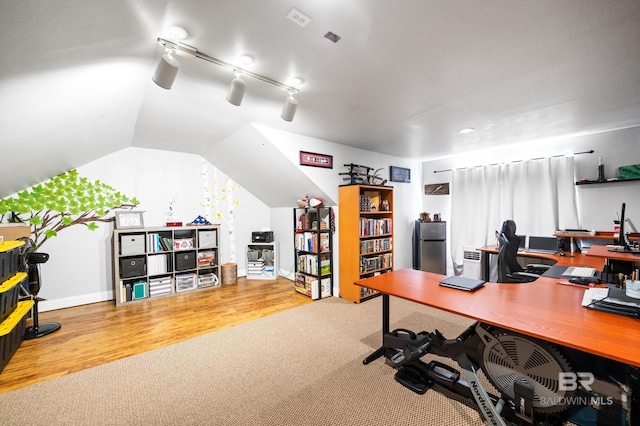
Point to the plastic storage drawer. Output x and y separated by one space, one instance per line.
9 292
11 332
9 259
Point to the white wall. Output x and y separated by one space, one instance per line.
597 204
406 195
80 266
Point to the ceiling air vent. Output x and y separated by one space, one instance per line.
331 36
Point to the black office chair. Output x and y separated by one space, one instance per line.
30 263
509 270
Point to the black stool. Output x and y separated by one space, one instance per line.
32 261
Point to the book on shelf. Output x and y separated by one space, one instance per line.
370 226
374 263
206 258
377 245
157 264
312 286
157 243
324 242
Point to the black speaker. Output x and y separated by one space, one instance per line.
562 245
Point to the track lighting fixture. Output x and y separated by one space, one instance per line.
166 71
236 91
289 108
168 68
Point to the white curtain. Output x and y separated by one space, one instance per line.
539 195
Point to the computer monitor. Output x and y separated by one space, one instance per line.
523 239
622 237
543 244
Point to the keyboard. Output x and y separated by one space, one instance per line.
579 271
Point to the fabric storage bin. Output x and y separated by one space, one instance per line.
132 244
207 239
11 332
185 260
134 266
9 292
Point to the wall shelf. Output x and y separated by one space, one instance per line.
597 182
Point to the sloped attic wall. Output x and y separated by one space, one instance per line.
250 159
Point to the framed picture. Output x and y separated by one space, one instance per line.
129 219
399 174
316 160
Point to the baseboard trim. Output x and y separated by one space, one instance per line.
68 302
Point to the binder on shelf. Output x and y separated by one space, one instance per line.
139 290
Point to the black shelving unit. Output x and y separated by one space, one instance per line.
313 246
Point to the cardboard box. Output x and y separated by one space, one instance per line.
13 231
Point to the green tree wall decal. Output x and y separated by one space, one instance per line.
63 201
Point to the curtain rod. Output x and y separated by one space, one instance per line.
516 161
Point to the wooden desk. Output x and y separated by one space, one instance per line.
602 252
572 259
541 309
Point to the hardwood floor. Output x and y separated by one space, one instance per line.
95 334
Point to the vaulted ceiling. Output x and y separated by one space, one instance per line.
404 77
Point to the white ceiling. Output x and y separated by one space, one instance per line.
406 75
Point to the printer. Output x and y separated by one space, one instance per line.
262 237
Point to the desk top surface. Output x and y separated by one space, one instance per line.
569 259
604 253
541 309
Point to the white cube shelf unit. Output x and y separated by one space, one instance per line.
263 261
153 262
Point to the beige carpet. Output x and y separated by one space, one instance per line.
298 367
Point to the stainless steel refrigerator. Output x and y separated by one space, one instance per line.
430 246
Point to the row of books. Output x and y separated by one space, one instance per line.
375 263
313 287
308 263
159 264
308 221
374 246
365 203
308 241
375 226
157 243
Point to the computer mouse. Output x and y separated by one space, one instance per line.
561 254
